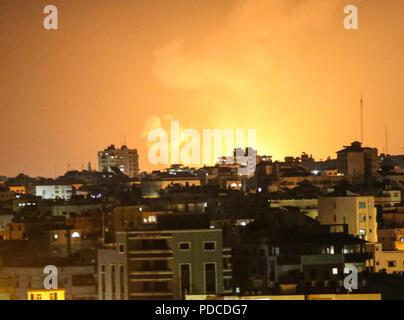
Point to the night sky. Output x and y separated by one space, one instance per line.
286 68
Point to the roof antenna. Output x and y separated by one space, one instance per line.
362 117
387 148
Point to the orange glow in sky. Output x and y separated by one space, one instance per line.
286 68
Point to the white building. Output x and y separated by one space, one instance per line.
359 213
54 192
125 159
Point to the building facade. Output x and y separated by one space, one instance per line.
163 264
358 163
359 213
390 261
124 159
64 192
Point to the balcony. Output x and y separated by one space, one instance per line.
151 272
145 255
151 250
139 276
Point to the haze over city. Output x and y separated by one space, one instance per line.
114 70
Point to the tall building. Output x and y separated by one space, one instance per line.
359 213
124 159
358 163
163 264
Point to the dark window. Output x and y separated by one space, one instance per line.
113 281
391 264
211 245
103 285
210 277
185 245
121 280
185 279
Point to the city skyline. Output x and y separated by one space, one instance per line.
95 166
295 75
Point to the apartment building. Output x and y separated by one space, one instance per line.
309 260
392 238
390 260
389 198
358 163
124 159
164 264
54 191
358 212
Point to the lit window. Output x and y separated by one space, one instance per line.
275 251
362 218
334 270
362 232
362 205
75 235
